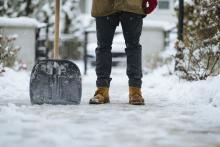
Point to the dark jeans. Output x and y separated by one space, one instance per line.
132 27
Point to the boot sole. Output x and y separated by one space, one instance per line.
138 103
98 103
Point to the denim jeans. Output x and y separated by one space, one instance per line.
132 27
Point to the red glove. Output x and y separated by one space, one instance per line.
149 6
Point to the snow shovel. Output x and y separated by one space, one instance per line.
55 81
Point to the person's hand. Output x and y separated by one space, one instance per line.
149 6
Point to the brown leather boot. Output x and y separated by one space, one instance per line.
101 96
135 96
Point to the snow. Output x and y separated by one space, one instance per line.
190 2
20 22
165 25
177 113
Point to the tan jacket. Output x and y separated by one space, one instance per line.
107 7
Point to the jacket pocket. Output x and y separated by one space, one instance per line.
135 5
102 7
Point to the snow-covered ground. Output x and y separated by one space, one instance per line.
177 113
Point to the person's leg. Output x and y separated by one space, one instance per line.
132 28
105 27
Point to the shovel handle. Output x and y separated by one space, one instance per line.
57 30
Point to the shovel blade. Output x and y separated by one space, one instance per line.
55 82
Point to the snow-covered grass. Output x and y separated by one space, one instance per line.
177 113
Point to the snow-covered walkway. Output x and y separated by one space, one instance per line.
177 113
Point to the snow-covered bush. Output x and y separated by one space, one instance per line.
199 55
70 15
12 8
44 11
8 51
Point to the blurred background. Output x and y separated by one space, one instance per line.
31 22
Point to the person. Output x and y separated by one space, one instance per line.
108 14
